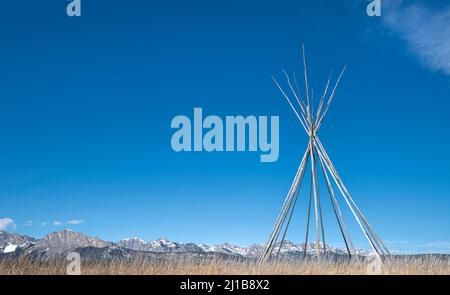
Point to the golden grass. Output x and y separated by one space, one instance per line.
398 266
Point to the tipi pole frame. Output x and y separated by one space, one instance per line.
311 122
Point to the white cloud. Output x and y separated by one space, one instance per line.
57 223
43 224
75 221
6 223
29 223
425 30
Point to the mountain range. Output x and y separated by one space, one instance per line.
58 244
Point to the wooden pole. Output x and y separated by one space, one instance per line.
308 218
319 203
316 211
306 82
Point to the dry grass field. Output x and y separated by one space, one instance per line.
408 265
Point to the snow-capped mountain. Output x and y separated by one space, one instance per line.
253 251
67 239
12 248
250 251
58 244
14 239
9 248
160 245
132 243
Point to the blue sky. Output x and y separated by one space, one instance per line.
86 105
